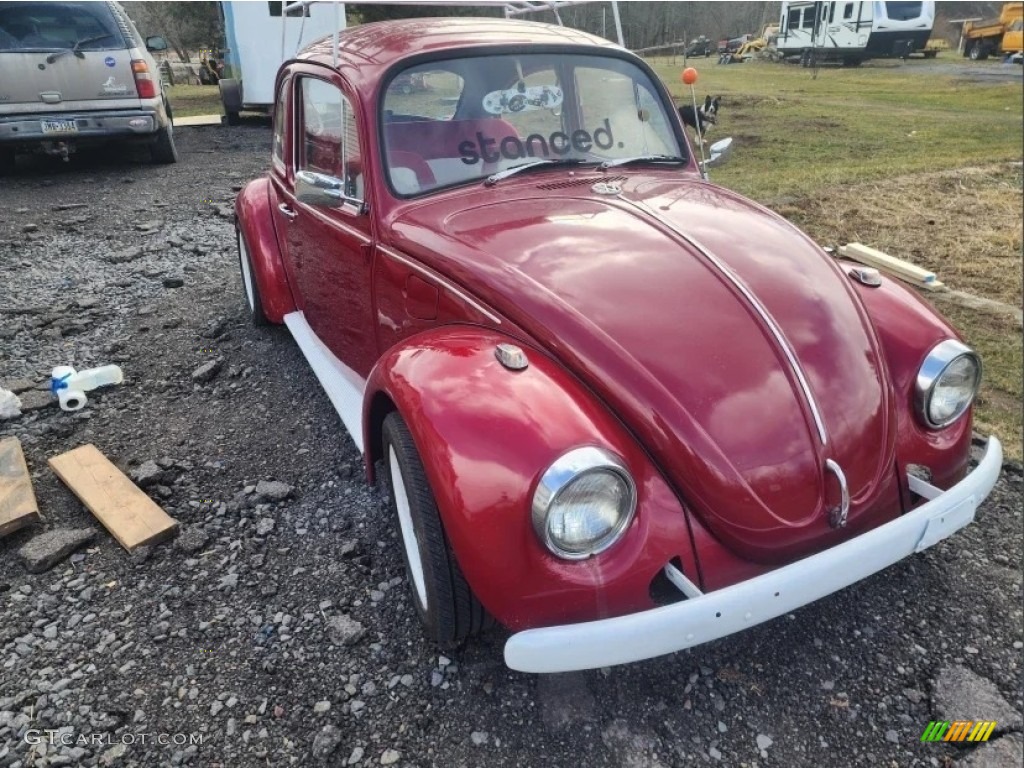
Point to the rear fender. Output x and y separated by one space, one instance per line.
254 213
486 434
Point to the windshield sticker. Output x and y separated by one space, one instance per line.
491 150
112 88
110 61
523 99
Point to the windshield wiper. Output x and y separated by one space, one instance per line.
77 48
494 178
641 159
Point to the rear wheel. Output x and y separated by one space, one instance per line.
163 150
446 604
978 51
249 285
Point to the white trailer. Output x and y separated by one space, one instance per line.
260 38
853 32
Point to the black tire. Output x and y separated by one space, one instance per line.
233 118
851 61
7 161
979 51
452 613
163 150
250 287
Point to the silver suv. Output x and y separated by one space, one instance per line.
77 73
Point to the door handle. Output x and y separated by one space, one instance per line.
287 212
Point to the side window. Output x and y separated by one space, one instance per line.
329 136
794 18
848 11
808 22
280 121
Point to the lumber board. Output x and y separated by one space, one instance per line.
876 258
18 505
130 515
905 271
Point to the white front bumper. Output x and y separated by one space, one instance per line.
716 614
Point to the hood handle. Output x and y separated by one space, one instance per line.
837 515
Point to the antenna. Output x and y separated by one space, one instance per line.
689 78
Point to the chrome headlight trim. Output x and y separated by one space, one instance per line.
942 355
562 473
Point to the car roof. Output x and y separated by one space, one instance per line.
367 50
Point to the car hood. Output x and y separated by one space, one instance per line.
731 345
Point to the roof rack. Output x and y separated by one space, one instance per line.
512 8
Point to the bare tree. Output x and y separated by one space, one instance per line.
187 27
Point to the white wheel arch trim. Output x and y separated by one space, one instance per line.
243 258
408 530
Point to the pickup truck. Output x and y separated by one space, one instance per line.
1003 36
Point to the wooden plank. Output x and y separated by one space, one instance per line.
908 273
875 258
130 515
18 505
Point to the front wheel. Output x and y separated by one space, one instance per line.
249 284
447 606
978 52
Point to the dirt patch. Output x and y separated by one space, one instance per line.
964 224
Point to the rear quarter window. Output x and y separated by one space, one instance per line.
47 26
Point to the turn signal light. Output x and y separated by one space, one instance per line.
144 82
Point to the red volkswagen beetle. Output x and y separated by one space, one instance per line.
620 410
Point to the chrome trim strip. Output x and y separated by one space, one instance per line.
448 286
761 310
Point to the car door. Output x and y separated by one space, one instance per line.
328 239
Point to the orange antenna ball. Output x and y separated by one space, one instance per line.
689 75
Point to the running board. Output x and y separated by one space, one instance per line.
343 386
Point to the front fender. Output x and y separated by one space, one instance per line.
254 213
908 327
485 435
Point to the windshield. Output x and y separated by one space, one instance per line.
462 120
55 26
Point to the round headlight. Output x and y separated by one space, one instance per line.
583 503
947 383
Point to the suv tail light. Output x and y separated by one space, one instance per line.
144 82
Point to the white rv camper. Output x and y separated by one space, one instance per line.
853 32
259 41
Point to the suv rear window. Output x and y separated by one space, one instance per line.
58 25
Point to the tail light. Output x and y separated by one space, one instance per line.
144 82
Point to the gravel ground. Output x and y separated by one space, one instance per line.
276 629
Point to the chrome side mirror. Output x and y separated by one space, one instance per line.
323 190
719 150
156 44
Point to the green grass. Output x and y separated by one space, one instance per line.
923 166
797 134
189 100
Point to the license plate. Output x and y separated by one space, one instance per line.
59 126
